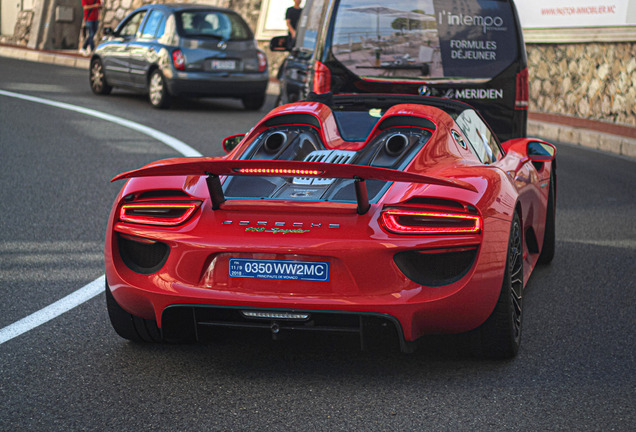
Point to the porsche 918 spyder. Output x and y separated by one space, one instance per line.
341 215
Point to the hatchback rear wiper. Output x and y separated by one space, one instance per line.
204 35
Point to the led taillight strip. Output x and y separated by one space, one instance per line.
165 214
456 223
279 171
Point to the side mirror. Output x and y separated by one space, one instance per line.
539 151
231 142
279 43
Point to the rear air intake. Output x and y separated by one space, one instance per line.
141 255
436 268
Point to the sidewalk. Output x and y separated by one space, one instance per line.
611 138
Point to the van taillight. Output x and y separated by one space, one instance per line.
521 97
322 78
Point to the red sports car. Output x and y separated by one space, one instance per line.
344 215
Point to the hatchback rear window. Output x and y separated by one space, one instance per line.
212 24
431 39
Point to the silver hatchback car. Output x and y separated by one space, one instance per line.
184 50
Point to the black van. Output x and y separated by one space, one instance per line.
470 50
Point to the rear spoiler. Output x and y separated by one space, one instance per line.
213 168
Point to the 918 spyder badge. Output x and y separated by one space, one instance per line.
277 269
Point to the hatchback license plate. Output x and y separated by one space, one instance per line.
223 65
279 269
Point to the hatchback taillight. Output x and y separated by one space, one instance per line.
262 61
178 60
322 78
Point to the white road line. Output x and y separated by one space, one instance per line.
53 310
97 286
176 144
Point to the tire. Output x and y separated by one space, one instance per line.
97 79
549 239
158 95
500 336
129 326
253 102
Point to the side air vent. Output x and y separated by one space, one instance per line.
395 144
162 194
274 142
401 120
328 156
439 202
143 256
289 119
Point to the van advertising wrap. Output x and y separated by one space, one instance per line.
425 38
474 37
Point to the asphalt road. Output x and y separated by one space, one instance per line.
575 369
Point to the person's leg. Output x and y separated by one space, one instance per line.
87 37
92 30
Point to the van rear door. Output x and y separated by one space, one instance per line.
470 50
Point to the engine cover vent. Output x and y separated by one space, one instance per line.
327 156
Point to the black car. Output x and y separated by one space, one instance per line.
182 50
469 50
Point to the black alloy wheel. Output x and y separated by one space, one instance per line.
97 78
500 336
130 326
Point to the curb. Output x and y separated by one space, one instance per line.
53 57
583 137
560 129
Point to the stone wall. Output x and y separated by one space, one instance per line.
592 80
21 30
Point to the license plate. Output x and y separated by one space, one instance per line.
279 269
223 65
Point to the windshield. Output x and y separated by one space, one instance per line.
212 24
432 39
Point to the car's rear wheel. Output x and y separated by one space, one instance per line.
549 238
253 102
98 79
129 326
500 336
157 91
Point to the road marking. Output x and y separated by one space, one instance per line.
168 140
53 310
96 287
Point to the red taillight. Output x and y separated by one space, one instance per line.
262 61
165 214
279 171
178 60
430 222
322 78
521 88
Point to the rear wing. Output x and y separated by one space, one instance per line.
213 168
